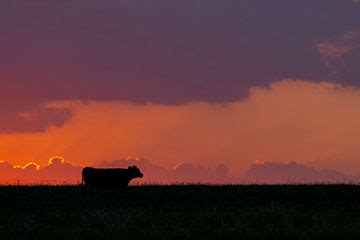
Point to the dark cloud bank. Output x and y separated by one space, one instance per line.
59 171
38 118
167 52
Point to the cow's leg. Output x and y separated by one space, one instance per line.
122 192
88 190
118 191
83 188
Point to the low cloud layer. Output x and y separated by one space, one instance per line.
58 171
182 173
289 173
290 120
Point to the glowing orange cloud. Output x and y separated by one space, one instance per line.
55 172
30 165
292 120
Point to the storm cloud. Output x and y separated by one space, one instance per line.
36 119
163 52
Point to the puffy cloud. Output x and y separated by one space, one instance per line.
56 160
31 166
56 172
59 171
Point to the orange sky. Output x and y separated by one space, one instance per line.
185 86
293 120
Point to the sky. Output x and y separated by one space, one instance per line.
199 83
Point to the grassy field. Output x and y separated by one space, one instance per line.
181 212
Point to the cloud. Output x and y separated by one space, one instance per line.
290 120
38 118
102 52
182 173
60 170
7 171
334 52
188 172
341 45
270 172
57 171
31 166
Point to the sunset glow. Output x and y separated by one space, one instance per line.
97 85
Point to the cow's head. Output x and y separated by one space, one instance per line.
135 172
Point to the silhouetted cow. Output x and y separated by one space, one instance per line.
109 178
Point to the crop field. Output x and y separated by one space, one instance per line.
181 212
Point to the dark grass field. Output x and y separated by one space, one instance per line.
182 212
